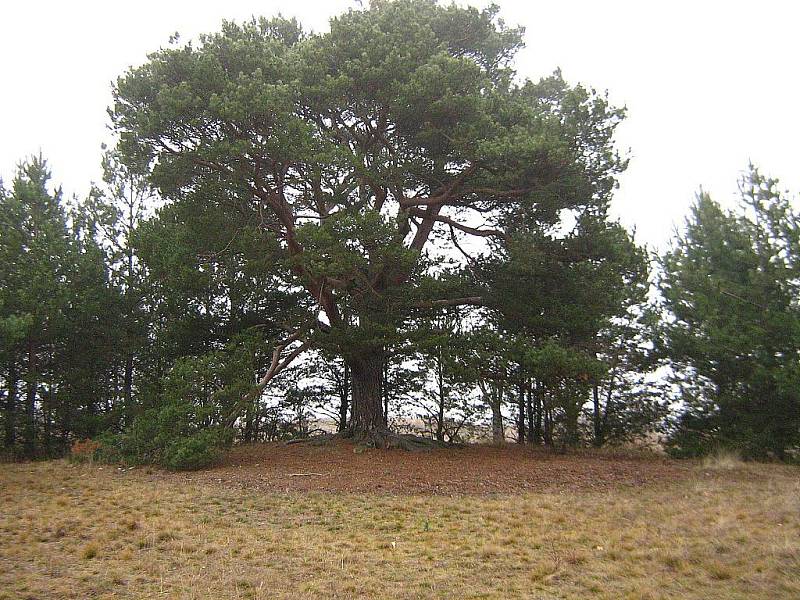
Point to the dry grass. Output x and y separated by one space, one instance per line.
84 531
723 460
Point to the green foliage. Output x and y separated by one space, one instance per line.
350 155
323 192
730 285
192 418
191 453
173 436
56 317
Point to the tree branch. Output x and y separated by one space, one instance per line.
467 301
460 226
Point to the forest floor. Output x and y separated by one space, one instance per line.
326 522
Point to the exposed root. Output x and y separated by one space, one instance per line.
387 439
376 438
316 440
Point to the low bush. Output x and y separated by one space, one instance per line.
84 450
174 436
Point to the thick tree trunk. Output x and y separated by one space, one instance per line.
367 418
11 405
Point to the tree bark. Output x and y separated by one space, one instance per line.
11 405
385 393
344 398
572 411
598 422
248 424
47 403
521 414
30 403
529 411
548 423
367 419
498 431
442 400
127 387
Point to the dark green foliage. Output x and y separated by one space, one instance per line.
731 286
192 417
57 318
393 206
173 436
357 158
194 452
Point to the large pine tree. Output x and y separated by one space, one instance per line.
365 153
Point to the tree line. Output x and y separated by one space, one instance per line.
385 225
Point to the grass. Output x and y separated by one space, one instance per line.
723 459
87 531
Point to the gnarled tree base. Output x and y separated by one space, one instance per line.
376 438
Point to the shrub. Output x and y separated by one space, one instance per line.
183 431
193 452
84 450
174 436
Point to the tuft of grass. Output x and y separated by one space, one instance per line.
89 551
723 459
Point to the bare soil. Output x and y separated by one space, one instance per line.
341 467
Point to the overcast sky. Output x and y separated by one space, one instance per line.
708 85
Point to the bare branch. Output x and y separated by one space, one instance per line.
460 226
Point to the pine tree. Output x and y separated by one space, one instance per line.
730 284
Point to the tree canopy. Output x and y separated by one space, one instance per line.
362 156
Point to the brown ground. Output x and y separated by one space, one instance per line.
481 470
503 523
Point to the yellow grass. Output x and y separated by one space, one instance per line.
86 531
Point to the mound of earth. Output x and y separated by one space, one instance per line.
476 470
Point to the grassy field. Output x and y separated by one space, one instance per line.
89 531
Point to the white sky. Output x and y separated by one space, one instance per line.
709 85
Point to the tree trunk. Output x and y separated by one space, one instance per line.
385 393
127 387
248 424
47 403
11 405
598 423
30 403
442 400
344 399
548 423
367 418
498 431
532 439
521 414
571 415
